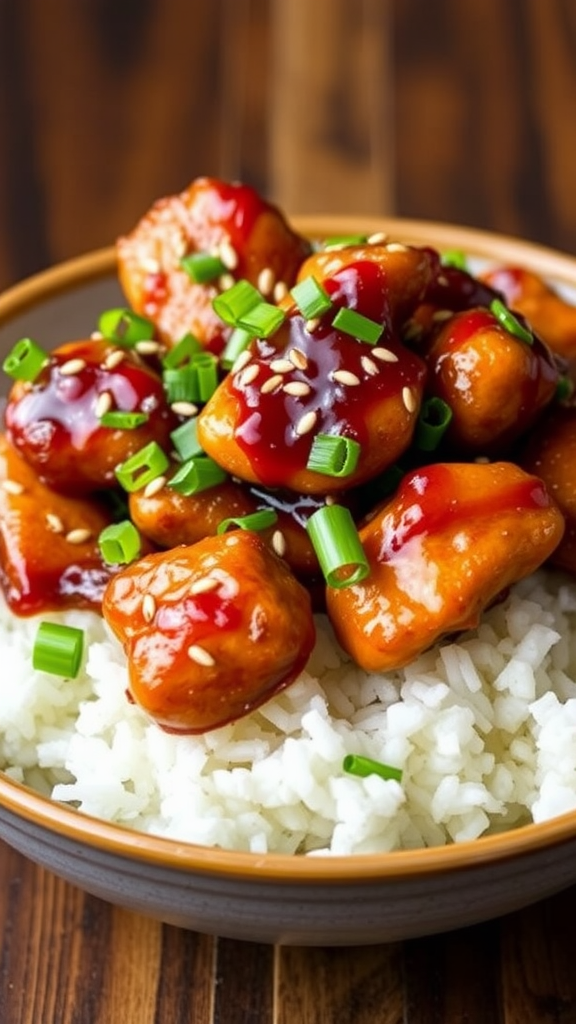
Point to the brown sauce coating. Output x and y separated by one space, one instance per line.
551 455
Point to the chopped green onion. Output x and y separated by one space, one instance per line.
333 455
311 298
206 366
236 302
58 649
196 475
509 322
254 521
185 440
25 360
338 548
202 267
123 420
432 423
194 382
344 240
455 258
125 327
564 388
357 764
262 319
236 344
182 352
359 326
143 467
119 543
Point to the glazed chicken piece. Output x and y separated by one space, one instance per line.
251 237
551 455
452 539
263 421
211 631
495 383
55 421
49 554
550 315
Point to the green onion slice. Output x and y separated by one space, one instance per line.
143 467
564 388
123 420
202 267
338 547
311 298
182 352
125 327
58 649
196 381
196 475
357 764
455 258
432 423
333 455
359 326
25 360
185 440
509 322
343 240
262 319
119 543
236 302
255 521
237 342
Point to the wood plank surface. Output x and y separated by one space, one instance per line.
452 110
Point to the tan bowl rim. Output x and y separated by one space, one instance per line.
28 805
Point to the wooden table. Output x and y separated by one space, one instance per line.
455 111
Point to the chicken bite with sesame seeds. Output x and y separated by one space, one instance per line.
210 631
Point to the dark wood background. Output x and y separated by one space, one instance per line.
454 110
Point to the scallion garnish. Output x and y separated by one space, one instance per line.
432 423
237 342
344 240
255 521
119 420
25 360
311 298
564 388
261 319
357 764
333 455
455 258
58 649
182 352
338 547
196 381
206 366
143 467
236 302
125 327
119 543
361 327
202 267
510 322
196 475
185 440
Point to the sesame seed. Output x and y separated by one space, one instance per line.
396 247
377 238
242 360
203 585
247 375
329 499
369 366
149 265
113 359
385 355
311 325
78 536
148 347
306 423
281 366
155 485
148 607
12 487
200 655
183 408
409 399
96 336
266 281
413 332
280 291
228 255
72 367
279 543
298 358
297 388
442 314
226 281
345 377
103 404
443 280
271 384
54 523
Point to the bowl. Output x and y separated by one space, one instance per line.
275 898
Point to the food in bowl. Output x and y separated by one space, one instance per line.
355 425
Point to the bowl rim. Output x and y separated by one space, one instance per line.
24 803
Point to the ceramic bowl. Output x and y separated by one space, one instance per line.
277 898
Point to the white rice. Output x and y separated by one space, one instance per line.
484 731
